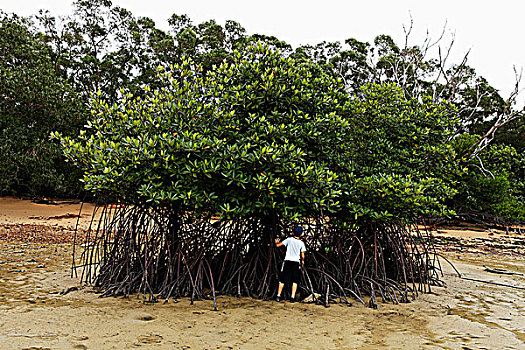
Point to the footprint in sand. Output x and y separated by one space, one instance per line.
146 318
141 316
80 347
149 339
80 337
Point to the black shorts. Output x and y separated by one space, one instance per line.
290 272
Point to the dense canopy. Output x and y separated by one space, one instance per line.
262 135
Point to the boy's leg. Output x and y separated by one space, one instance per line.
283 277
295 278
280 289
294 289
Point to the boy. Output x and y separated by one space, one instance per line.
290 272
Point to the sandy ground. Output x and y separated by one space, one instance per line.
65 214
37 314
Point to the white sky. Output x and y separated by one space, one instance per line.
493 30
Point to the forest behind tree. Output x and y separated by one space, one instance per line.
53 68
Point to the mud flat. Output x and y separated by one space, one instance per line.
57 213
43 307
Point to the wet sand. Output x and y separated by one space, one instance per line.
34 314
57 213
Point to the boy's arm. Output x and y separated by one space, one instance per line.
302 258
278 242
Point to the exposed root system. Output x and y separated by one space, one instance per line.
161 253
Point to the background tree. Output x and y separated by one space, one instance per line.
35 100
479 108
491 189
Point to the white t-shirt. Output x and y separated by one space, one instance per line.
294 247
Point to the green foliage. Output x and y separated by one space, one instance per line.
493 183
262 136
477 106
35 101
208 43
401 165
250 137
511 209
